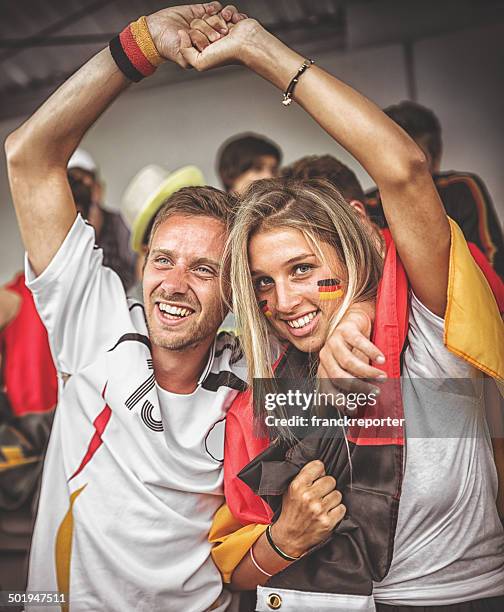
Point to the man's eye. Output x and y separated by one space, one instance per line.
164 261
301 269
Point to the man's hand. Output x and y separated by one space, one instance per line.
348 351
170 26
345 357
202 50
311 509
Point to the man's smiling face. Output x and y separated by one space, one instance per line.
181 288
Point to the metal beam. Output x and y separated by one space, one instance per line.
55 27
55 41
327 24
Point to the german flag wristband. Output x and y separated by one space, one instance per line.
134 51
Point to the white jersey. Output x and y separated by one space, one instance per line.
133 474
449 542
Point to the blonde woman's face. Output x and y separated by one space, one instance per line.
297 291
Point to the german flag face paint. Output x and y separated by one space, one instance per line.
329 289
263 305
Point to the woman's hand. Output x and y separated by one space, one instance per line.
204 47
311 509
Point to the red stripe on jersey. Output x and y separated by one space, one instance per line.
100 423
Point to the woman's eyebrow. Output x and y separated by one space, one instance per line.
287 263
299 257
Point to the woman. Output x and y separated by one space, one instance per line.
448 545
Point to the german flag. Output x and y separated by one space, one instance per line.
330 289
263 305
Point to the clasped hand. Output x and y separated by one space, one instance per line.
181 34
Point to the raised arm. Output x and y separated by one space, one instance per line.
414 212
38 151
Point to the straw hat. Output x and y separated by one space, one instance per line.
146 193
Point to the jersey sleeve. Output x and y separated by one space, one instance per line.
81 303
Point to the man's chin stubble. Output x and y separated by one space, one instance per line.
188 341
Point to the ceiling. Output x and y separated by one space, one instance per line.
42 42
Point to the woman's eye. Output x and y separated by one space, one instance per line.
205 271
301 269
263 283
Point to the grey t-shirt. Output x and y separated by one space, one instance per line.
449 544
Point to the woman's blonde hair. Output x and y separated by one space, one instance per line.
319 212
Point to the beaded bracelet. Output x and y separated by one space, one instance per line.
287 97
134 51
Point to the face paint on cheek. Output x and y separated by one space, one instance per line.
263 305
329 289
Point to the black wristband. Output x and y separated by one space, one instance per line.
278 550
123 61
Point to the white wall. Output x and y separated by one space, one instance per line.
11 251
186 122
461 76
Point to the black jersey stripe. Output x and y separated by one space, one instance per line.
148 419
142 390
223 379
132 338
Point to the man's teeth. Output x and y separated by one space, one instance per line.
302 321
174 310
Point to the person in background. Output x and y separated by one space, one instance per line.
464 195
112 235
246 158
142 198
28 395
28 373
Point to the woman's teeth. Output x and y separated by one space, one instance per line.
174 310
302 321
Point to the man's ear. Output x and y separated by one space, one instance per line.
358 206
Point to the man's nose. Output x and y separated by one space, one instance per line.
287 298
175 280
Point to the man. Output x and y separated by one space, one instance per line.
133 474
464 195
246 158
112 235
